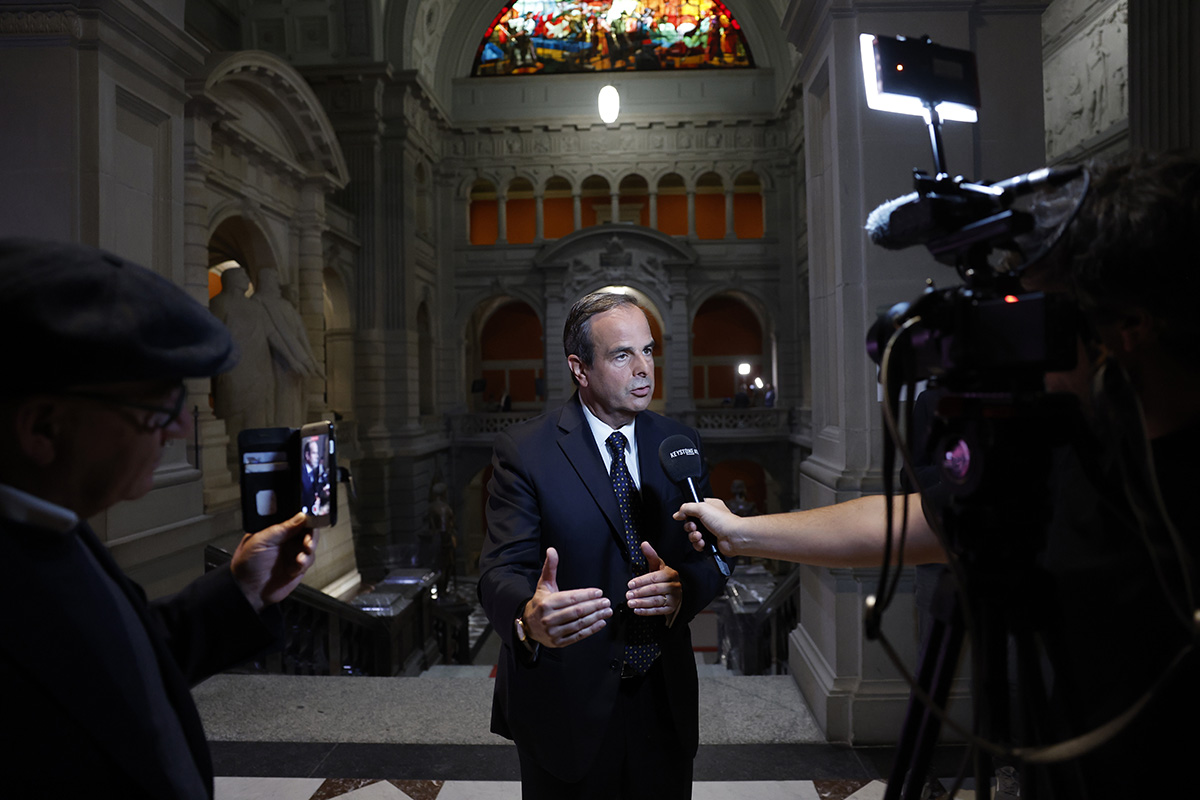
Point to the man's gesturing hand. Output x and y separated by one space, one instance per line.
557 619
658 592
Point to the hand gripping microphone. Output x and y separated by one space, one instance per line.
680 459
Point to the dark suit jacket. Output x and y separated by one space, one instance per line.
549 488
65 729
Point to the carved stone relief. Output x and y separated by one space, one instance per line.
1086 84
618 263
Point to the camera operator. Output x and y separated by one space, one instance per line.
94 678
1114 581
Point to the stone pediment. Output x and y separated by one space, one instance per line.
609 254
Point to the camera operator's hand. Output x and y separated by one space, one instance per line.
269 564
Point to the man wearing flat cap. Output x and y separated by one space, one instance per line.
94 679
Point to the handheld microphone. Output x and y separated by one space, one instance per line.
680 459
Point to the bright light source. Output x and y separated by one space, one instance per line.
900 103
1010 298
610 104
743 369
758 384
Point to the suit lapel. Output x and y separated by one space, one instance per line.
577 444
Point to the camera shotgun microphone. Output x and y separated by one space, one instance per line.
680 459
945 206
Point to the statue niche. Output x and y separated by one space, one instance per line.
266 387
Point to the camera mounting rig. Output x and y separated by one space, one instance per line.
986 346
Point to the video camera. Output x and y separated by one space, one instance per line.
987 345
989 332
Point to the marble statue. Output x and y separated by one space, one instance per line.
244 397
292 357
441 523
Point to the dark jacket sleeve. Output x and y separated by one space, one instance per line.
511 559
210 626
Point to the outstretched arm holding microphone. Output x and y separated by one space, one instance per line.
849 534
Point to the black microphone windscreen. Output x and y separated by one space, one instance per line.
680 458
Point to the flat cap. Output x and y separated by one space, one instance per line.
74 315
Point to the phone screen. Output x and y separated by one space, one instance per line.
318 496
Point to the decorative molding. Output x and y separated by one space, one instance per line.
41 23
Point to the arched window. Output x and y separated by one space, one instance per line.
726 334
710 206
747 206
520 217
512 358
484 222
634 200
558 208
596 201
672 205
425 370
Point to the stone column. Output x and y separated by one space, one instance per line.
501 216
691 212
677 347
652 199
855 159
730 233
1164 75
539 196
312 292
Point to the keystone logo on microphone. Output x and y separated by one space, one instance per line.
684 451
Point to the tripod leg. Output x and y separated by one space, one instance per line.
939 659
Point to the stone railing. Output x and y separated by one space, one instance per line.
719 423
739 422
483 427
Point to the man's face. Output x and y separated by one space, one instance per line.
311 454
620 382
107 452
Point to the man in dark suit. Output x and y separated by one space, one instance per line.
93 678
309 475
589 582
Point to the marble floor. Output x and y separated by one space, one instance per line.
278 737
314 738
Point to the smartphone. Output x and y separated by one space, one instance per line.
318 471
285 470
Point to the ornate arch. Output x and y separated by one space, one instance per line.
603 255
260 99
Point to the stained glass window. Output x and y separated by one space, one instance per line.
531 37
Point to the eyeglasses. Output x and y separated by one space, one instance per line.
160 417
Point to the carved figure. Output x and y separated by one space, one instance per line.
441 523
292 357
244 396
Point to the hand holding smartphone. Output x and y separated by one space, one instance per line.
285 470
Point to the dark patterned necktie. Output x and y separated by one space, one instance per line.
640 647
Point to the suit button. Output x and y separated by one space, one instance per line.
614 665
